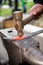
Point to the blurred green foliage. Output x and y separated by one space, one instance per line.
28 5
7 12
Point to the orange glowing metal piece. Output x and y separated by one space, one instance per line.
18 38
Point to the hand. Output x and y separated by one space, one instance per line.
36 10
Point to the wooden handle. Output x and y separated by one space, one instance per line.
27 20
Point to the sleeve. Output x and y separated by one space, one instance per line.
38 1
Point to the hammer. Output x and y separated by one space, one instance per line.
19 22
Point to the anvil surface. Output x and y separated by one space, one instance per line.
11 32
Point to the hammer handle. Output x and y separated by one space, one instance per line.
28 19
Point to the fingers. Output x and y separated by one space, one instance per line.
37 8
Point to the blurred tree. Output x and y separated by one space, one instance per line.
10 2
16 6
0 2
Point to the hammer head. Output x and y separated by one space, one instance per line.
18 22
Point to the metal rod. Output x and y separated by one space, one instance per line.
27 36
34 33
